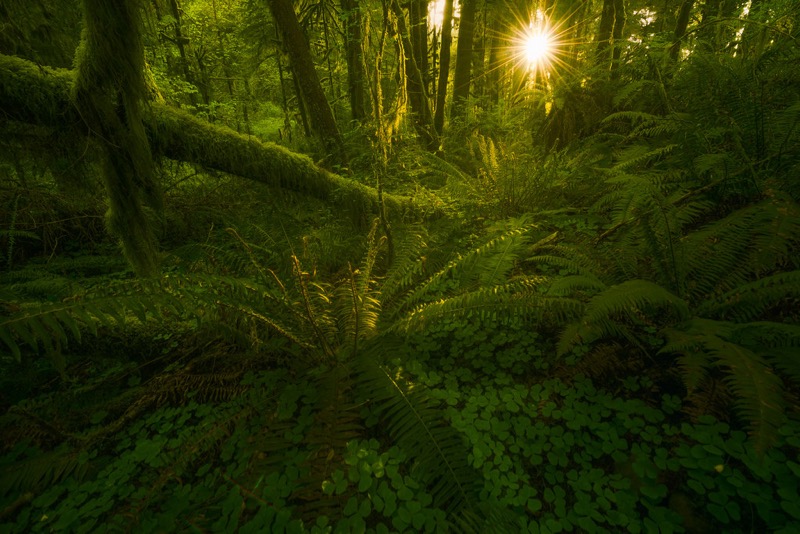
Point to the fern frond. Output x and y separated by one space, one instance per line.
568 285
750 301
641 157
359 307
727 253
693 361
759 391
634 295
624 300
489 263
41 471
414 421
518 298
409 266
46 325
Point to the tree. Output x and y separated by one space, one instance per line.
463 73
319 111
180 42
417 92
354 56
108 93
680 28
444 66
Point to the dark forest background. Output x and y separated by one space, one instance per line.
370 266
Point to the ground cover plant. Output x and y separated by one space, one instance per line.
268 267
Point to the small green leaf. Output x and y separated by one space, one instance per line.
719 513
364 483
351 507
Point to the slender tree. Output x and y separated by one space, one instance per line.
680 28
180 43
444 66
417 94
418 22
617 36
354 56
497 51
463 72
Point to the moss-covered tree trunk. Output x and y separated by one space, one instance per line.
680 28
444 66
108 93
38 95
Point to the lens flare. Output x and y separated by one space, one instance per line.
536 46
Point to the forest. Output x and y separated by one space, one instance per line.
444 266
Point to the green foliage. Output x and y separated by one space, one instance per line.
285 373
722 262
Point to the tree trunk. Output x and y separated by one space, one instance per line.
320 113
680 28
108 96
418 20
463 73
497 54
444 66
417 95
181 41
604 32
226 68
354 54
616 36
715 37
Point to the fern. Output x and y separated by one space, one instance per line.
631 296
759 392
568 285
41 471
489 263
752 300
415 421
725 254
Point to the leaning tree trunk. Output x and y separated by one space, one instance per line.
616 36
319 111
40 96
680 28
